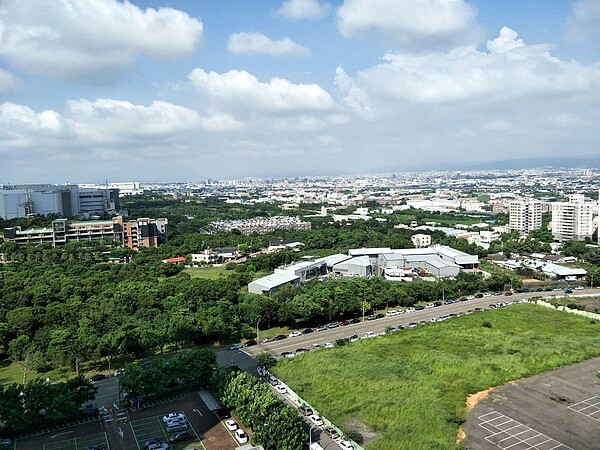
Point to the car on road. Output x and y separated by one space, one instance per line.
236 347
180 437
568 291
328 345
346 445
306 410
241 436
98 377
579 288
281 389
508 293
231 425
316 419
332 432
250 343
295 334
307 331
174 416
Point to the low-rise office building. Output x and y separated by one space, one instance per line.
131 234
269 284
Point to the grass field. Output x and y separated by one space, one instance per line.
411 386
210 272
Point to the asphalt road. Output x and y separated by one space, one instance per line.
306 341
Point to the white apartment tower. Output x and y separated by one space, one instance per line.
572 220
525 216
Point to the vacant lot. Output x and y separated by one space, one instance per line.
411 386
210 272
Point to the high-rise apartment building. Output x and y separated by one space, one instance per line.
525 216
572 220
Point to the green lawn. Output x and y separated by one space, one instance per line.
210 272
411 386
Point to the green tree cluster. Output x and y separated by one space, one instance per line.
189 368
39 403
275 425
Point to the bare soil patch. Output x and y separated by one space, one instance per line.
367 433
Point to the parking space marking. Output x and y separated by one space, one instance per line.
507 433
81 443
589 408
153 427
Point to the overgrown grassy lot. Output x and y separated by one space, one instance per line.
411 386
210 272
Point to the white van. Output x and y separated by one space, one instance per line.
315 446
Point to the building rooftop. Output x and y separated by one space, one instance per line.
276 279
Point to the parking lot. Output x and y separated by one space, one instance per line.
79 443
558 410
154 427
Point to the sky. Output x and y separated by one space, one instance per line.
183 90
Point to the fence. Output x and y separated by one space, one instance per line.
589 315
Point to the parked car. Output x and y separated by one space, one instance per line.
322 328
568 291
176 427
332 432
267 340
316 419
507 293
175 422
307 331
345 323
306 410
281 389
380 316
391 313
262 372
250 343
295 334
346 445
180 437
371 317
174 416
287 355
241 436
153 441
328 345
236 347
223 413
98 377
333 325
355 320
579 288
280 337
299 351
231 425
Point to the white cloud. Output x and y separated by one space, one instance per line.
584 23
418 23
241 94
8 81
258 43
91 39
511 70
303 9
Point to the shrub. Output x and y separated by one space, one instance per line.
355 436
486 324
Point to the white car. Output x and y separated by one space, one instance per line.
346 445
579 288
370 334
174 417
281 389
231 425
391 312
328 345
411 309
316 419
429 305
241 436
295 334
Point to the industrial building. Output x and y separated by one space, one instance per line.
359 266
524 216
269 284
130 234
63 200
260 225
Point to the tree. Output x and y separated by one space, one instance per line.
266 360
25 355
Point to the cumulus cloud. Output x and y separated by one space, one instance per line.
241 93
510 70
303 9
91 39
583 25
258 43
418 23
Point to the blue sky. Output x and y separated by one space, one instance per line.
185 90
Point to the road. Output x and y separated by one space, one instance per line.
307 341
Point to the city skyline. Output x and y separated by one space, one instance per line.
188 90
